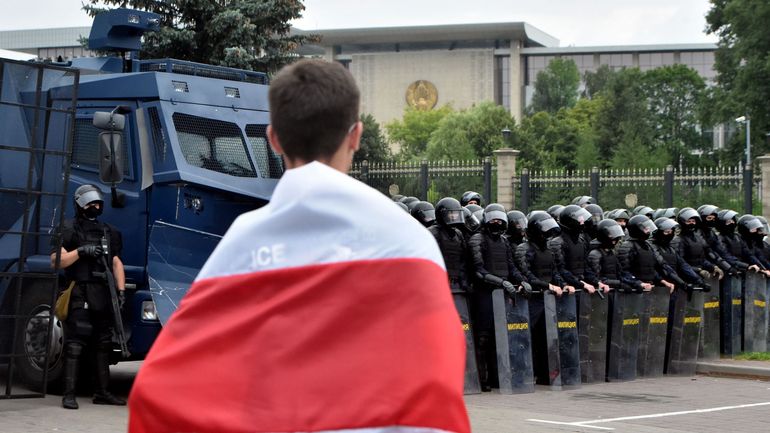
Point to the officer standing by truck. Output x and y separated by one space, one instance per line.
85 244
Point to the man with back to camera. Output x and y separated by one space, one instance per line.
325 334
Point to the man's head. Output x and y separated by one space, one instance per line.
314 113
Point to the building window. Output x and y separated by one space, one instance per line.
503 81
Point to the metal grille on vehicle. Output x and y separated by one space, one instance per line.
270 163
85 147
214 145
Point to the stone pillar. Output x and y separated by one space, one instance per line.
517 80
764 171
506 170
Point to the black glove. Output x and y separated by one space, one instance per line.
509 288
121 299
526 287
93 251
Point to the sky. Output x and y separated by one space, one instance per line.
573 22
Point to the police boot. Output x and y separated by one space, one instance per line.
70 376
102 396
482 362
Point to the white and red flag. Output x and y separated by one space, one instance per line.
328 310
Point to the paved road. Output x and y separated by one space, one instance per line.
653 405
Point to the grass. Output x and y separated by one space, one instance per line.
754 356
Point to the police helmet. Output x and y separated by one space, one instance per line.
750 227
449 212
555 210
671 212
726 221
474 208
707 210
609 232
517 223
85 195
619 214
397 197
574 217
472 223
597 214
640 227
409 199
583 200
643 210
665 225
424 212
686 214
541 226
469 196
402 206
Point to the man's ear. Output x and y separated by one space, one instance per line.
355 136
272 138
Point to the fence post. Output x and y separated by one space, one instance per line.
365 171
764 191
668 186
424 180
506 171
595 183
748 185
488 180
525 190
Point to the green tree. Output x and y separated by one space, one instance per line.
413 130
675 96
742 64
596 81
248 34
470 134
556 86
556 141
374 147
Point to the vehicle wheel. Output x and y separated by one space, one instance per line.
31 338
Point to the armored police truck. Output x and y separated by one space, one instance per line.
177 148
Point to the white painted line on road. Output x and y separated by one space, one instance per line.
654 415
573 424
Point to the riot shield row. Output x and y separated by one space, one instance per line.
585 338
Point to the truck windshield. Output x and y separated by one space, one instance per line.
270 163
213 145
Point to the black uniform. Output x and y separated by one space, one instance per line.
492 260
454 249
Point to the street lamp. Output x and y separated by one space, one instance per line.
506 134
747 121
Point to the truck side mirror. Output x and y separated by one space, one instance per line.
110 157
110 145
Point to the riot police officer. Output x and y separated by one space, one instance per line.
517 228
639 259
744 259
494 268
692 247
471 197
451 242
572 246
424 212
661 243
591 225
90 317
709 218
603 260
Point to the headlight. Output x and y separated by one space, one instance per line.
148 311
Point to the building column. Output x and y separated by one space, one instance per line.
506 170
764 171
517 80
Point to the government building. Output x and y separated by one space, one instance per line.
429 66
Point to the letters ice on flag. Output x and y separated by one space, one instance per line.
326 310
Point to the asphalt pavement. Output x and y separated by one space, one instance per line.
668 404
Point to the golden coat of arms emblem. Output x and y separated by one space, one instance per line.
422 95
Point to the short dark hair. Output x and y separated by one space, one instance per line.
313 104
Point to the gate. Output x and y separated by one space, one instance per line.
28 154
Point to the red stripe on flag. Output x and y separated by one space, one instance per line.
345 345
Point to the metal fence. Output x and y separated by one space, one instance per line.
429 180
656 188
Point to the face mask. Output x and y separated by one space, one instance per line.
92 212
496 229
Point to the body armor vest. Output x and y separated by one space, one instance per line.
668 254
610 265
574 255
733 244
87 233
495 255
542 262
643 265
450 241
694 249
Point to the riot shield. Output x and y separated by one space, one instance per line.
684 332
552 340
653 322
568 342
513 342
472 385
710 327
754 313
623 336
731 315
592 336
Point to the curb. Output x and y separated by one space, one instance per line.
733 370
